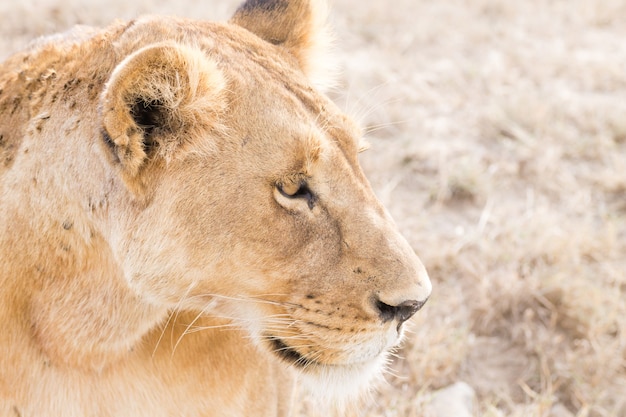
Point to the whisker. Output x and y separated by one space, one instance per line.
194 329
256 299
173 313
196 318
357 108
379 103
374 128
239 323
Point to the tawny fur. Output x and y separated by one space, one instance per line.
151 253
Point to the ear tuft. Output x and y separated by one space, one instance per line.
297 25
157 99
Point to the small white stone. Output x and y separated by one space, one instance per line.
559 410
456 400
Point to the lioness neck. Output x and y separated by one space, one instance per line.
67 285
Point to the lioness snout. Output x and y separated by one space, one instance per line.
401 312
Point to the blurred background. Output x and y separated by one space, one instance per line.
498 143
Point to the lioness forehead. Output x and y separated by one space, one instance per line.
266 88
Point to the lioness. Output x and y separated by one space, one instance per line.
184 226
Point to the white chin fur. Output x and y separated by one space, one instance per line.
338 386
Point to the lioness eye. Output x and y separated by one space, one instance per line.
297 190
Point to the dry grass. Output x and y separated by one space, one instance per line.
498 131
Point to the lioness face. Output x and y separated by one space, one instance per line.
266 218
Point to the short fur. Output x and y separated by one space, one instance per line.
184 226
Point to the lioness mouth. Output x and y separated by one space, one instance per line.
289 354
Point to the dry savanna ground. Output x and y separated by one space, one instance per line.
498 141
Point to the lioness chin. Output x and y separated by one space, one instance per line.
184 225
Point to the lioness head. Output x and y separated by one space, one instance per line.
246 199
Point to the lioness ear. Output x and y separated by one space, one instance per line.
156 99
297 25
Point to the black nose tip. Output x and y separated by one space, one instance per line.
402 312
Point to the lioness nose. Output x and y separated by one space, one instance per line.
401 312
